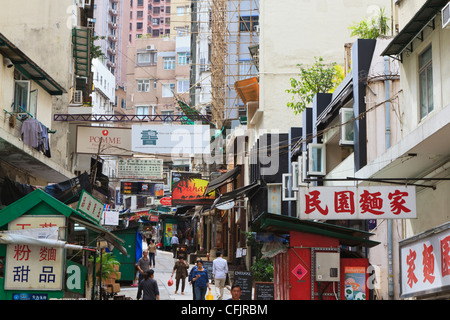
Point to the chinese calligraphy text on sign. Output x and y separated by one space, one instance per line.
352 203
425 262
33 267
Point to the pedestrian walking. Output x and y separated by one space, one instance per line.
191 273
148 287
181 268
152 253
174 242
220 271
143 265
201 281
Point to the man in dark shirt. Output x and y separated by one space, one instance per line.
149 287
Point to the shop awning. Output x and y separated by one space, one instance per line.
269 222
237 193
220 181
248 89
414 28
27 67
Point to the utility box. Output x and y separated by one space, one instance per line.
327 266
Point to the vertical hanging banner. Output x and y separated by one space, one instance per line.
357 203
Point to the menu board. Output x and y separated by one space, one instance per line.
244 280
264 291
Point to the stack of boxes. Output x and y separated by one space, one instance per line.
111 285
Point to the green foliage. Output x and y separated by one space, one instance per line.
108 262
371 28
96 51
319 78
262 270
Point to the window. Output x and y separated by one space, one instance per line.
167 90
248 23
317 160
139 26
183 58
183 86
21 95
167 113
288 193
346 128
426 83
143 85
146 58
155 21
140 14
142 110
140 3
180 11
169 63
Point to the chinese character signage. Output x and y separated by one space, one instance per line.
140 169
35 267
425 263
90 206
347 203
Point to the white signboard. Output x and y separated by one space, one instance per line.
90 206
425 263
347 203
114 141
110 218
140 168
176 140
34 267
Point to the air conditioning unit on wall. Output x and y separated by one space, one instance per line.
150 201
445 15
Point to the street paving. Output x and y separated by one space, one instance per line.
163 271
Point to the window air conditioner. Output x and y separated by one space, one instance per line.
150 47
256 28
78 97
150 201
445 14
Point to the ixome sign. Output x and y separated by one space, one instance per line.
347 203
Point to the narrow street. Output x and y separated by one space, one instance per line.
163 271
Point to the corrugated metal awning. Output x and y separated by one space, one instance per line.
414 28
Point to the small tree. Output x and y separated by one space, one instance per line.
319 78
371 28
